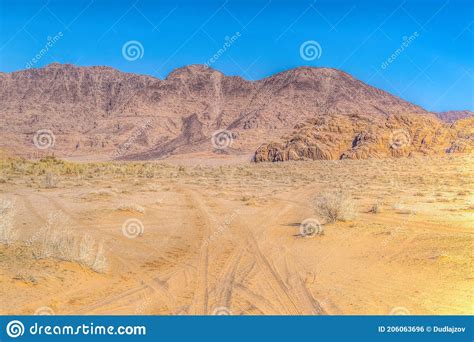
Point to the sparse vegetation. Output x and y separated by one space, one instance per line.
56 241
375 209
8 233
92 254
131 207
335 206
50 181
26 278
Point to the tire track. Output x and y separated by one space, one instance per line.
260 302
225 285
297 297
267 270
201 294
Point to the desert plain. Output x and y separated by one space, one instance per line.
228 237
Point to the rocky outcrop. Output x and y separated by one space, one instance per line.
355 137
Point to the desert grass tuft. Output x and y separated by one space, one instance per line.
8 233
131 207
335 206
55 241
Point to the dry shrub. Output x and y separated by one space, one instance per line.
50 180
101 193
131 207
375 209
335 206
92 254
26 278
51 240
8 233
54 240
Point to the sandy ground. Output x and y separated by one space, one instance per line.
226 239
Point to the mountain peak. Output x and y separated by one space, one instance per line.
56 65
191 71
306 72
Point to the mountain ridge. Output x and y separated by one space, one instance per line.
95 110
454 115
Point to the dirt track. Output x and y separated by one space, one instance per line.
230 244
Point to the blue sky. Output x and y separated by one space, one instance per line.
434 69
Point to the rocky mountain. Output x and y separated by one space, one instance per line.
102 113
454 115
357 137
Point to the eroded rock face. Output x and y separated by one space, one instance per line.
94 111
356 137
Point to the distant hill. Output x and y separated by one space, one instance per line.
453 115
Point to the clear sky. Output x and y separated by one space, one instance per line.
419 50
